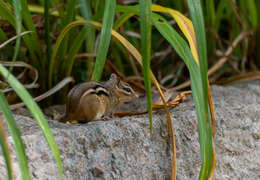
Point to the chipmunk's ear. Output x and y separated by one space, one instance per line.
114 79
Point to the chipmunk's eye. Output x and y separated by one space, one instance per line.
127 90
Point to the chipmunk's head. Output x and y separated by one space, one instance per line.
122 90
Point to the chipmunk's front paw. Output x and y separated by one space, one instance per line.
107 117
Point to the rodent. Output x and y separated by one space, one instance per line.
92 101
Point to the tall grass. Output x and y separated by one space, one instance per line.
53 51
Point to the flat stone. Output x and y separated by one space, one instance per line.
121 148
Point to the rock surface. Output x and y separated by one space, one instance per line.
121 148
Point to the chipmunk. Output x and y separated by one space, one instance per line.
91 101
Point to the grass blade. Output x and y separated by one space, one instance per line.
199 27
75 46
105 37
69 17
122 19
57 46
145 15
250 12
18 23
210 18
85 10
18 143
12 39
182 48
27 18
205 125
36 113
33 43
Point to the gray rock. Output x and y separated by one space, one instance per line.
121 148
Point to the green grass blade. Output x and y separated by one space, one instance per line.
210 12
179 44
69 17
18 22
6 13
204 128
27 18
122 19
128 9
36 113
145 15
56 48
75 46
5 149
70 12
105 37
18 143
182 48
210 18
199 27
85 10
220 13
251 12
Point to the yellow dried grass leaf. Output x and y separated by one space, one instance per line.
185 25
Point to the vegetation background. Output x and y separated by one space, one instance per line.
57 39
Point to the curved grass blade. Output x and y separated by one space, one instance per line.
18 25
57 46
179 44
75 46
146 13
27 18
68 17
13 38
182 48
105 37
85 10
122 19
18 143
5 149
198 21
36 113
